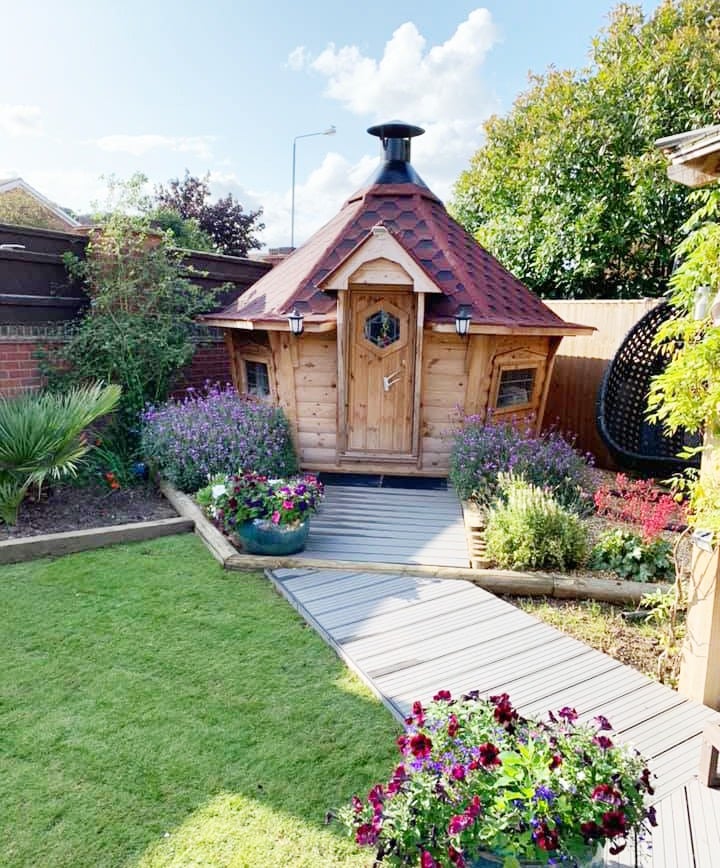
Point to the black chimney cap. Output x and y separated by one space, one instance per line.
395 130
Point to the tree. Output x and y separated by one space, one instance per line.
568 190
225 222
137 330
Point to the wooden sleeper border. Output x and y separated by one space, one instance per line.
511 582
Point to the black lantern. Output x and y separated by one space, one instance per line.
296 322
462 320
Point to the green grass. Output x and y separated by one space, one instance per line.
157 711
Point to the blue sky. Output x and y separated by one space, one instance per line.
104 87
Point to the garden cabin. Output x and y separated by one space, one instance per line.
401 319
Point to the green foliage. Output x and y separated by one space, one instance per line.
190 441
185 233
137 330
42 435
631 557
154 693
481 450
531 530
568 190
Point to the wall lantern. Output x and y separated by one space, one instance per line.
296 322
462 320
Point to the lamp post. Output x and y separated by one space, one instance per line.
330 131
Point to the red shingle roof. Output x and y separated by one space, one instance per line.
464 271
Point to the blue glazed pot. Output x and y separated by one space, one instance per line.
260 536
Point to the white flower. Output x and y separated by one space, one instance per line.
218 491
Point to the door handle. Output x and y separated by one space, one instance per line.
391 379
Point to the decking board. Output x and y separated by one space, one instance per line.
408 637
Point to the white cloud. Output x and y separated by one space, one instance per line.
20 120
298 58
438 87
141 144
316 200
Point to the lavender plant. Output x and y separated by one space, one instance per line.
204 434
483 449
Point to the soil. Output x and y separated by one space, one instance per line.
71 507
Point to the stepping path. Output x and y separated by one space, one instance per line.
408 637
389 525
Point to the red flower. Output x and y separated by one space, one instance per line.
614 824
545 837
366 835
645 781
591 831
458 773
555 762
402 742
603 742
427 861
442 696
505 714
459 823
452 726
568 714
418 713
420 745
488 755
357 805
474 808
606 793
456 857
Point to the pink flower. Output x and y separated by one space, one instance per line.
459 823
276 517
288 504
427 861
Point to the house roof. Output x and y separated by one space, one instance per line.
8 184
463 271
694 155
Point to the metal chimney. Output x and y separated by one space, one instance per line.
395 137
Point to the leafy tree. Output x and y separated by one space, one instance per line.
568 190
224 221
186 234
137 331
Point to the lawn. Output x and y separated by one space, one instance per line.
158 711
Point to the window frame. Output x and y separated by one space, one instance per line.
533 363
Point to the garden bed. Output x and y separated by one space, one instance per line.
70 508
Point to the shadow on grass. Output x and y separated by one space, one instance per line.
158 711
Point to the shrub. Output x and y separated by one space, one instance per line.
482 450
639 502
42 435
529 528
631 557
219 431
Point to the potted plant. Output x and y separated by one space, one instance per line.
482 787
267 516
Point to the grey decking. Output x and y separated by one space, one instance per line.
408 637
389 525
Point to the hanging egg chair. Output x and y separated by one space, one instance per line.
633 442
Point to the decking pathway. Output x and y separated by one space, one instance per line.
409 637
389 525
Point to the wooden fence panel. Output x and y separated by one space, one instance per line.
581 362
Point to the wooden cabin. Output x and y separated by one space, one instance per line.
405 321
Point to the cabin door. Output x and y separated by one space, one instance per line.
380 373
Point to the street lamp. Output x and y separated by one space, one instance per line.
330 131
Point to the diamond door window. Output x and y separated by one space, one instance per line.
382 329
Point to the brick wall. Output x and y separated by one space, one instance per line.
19 368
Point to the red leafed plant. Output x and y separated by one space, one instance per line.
640 502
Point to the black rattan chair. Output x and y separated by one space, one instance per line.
635 443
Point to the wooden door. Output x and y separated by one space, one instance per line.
381 376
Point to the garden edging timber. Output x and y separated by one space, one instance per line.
511 582
30 548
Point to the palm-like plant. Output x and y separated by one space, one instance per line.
41 436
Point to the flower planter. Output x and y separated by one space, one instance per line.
593 859
260 536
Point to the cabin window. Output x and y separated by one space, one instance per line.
257 378
382 328
515 388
